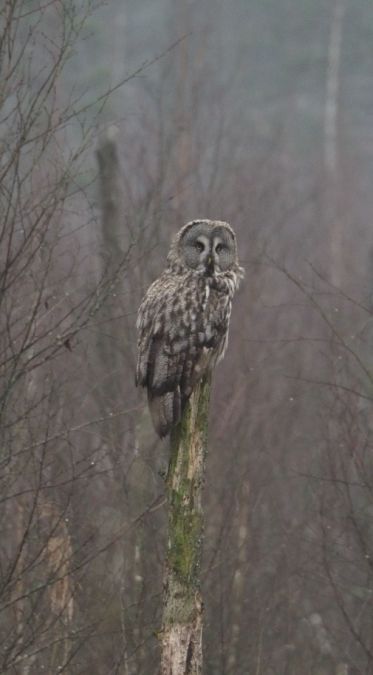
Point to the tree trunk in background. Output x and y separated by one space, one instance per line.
109 337
181 635
238 585
111 392
182 89
331 142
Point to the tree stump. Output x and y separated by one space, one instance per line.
181 635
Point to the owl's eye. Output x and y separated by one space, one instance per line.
219 248
199 246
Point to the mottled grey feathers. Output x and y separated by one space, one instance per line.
183 319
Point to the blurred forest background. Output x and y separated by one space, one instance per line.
258 112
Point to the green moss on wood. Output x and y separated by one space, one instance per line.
185 542
184 491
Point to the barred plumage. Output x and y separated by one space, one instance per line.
183 319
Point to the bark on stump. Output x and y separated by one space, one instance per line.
181 636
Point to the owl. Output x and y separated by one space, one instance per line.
183 319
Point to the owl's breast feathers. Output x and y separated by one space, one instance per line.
183 326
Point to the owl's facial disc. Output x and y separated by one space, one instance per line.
205 260
196 250
218 247
223 249
207 248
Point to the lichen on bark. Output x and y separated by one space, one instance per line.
182 616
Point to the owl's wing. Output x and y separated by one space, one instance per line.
175 345
154 333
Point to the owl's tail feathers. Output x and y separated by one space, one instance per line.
165 410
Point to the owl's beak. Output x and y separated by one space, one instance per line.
210 264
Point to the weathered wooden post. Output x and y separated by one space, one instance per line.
181 635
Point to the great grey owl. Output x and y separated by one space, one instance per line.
183 319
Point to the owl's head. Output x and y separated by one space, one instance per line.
206 246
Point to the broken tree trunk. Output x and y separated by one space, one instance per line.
181 635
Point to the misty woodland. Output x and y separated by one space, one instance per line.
238 540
